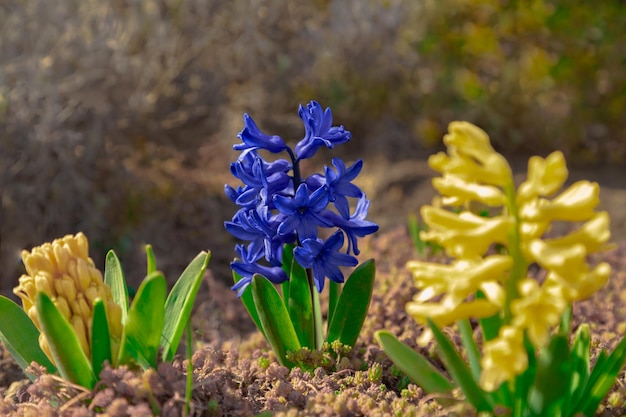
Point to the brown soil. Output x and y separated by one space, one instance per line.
235 375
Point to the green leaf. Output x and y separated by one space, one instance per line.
352 305
603 378
65 348
414 365
300 305
524 381
473 356
150 260
334 291
248 303
141 334
179 304
114 278
459 371
414 232
552 379
21 338
274 318
489 325
286 266
100 338
581 360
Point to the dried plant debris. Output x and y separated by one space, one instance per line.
241 377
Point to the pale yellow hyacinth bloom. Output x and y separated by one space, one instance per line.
464 235
538 309
470 156
503 358
64 271
472 172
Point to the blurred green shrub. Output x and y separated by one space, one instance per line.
540 74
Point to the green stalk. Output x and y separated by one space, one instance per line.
520 266
318 335
189 382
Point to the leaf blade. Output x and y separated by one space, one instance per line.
179 304
100 337
141 333
20 336
352 305
459 371
300 305
414 365
65 348
114 278
274 319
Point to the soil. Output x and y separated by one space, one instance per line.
235 374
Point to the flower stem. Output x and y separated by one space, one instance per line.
318 335
520 266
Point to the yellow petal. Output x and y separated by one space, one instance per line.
503 358
575 204
62 305
445 315
80 329
44 283
592 235
69 288
36 262
460 192
582 283
61 257
471 156
538 309
545 177
464 235
562 260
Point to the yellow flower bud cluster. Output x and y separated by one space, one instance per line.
473 173
64 271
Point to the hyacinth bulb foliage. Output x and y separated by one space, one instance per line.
526 365
75 320
281 216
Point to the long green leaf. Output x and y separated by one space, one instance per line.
523 382
352 305
489 325
473 356
141 334
300 305
334 291
65 348
114 278
603 379
459 371
100 338
414 365
274 318
552 379
580 368
248 303
150 260
179 304
20 336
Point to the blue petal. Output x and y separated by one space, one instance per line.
254 138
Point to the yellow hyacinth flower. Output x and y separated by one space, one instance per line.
503 358
474 174
64 271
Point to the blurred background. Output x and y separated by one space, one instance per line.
117 117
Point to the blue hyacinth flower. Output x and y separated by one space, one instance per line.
324 258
